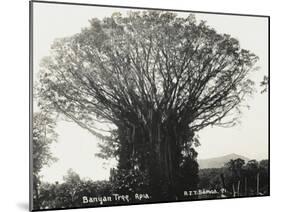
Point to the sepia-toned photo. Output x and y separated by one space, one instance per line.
133 106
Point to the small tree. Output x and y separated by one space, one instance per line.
252 171
264 84
43 136
264 176
236 169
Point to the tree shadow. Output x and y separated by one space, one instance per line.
23 205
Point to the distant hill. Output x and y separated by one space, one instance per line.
219 162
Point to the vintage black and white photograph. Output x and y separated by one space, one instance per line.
134 106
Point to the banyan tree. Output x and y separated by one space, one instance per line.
151 80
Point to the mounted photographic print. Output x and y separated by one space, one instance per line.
146 105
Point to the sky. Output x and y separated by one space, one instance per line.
76 147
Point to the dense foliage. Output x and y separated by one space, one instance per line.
253 178
70 192
238 178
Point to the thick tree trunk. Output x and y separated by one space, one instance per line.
164 170
167 159
157 148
